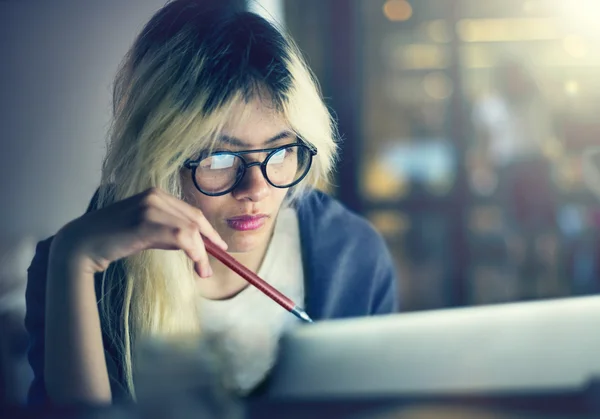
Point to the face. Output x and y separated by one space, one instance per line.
246 216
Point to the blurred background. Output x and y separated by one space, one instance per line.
464 123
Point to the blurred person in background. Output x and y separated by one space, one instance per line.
219 131
512 123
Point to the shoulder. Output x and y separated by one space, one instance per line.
350 269
36 273
35 294
322 215
35 298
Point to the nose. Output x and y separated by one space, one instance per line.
254 186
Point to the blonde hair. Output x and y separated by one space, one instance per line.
176 88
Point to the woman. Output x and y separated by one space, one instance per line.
219 130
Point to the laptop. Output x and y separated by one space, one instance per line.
527 348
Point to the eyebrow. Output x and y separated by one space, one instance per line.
236 142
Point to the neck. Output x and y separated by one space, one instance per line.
252 260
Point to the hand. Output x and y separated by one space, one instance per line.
152 219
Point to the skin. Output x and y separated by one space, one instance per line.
75 368
255 127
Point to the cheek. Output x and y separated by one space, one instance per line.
279 196
188 189
211 207
208 205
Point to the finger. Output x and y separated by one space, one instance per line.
187 238
196 215
202 264
170 231
179 210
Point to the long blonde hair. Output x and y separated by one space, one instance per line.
175 89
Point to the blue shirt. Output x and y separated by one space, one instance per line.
347 268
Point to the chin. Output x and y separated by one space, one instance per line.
246 241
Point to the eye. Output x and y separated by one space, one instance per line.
279 156
218 161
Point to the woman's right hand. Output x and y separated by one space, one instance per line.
152 219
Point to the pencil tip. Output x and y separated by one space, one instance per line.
301 314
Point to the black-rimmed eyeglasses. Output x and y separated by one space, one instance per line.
220 172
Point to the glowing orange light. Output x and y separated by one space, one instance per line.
397 10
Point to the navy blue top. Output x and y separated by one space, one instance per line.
347 267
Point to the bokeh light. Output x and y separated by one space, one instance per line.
397 10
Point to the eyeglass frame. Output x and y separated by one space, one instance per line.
192 164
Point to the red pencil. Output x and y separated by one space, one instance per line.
255 280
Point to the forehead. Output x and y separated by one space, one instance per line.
254 123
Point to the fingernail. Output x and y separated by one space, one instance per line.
209 271
224 245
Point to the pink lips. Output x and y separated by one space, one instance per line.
247 222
